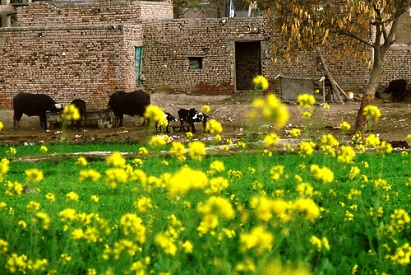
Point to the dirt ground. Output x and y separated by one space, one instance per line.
231 110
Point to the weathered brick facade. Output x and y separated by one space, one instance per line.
70 50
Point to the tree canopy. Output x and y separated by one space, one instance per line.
362 28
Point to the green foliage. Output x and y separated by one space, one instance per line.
364 241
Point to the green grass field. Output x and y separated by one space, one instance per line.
226 214
177 208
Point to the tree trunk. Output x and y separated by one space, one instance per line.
368 98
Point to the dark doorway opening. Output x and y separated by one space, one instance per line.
248 63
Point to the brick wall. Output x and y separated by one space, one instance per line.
88 62
169 43
76 53
73 14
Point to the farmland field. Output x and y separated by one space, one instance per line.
245 202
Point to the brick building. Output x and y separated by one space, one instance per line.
89 50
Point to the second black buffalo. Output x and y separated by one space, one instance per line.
398 90
82 109
134 103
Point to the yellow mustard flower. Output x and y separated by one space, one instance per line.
158 140
43 148
12 151
276 172
322 173
65 258
72 196
354 171
346 154
154 113
216 166
259 239
345 126
167 243
271 139
143 204
133 226
4 167
89 174
4 246
13 188
196 150
306 148
82 161
271 110
115 176
371 112
142 151
213 127
43 219
295 132
307 207
116 160
16 263
306 100
260 83
1 125
402 255
95 198
205 109
187 179
216 185
305 189
188 247
177 150
50 197
34 175
33 206
71 112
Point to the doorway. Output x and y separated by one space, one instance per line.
248 63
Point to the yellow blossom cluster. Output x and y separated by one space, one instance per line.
154 113
71 112
346 154
196 150
306 148
186 179
211 210
259 239
320 244
372 113
323 174
306 101
266 209
214 127
271 140
4 167
260 82
271 109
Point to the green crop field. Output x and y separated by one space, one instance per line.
272 207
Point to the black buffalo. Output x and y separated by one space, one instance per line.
82 109
170 118
33 105
191 116
134 103
398 90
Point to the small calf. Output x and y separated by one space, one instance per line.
191 116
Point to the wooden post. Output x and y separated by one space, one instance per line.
329 76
